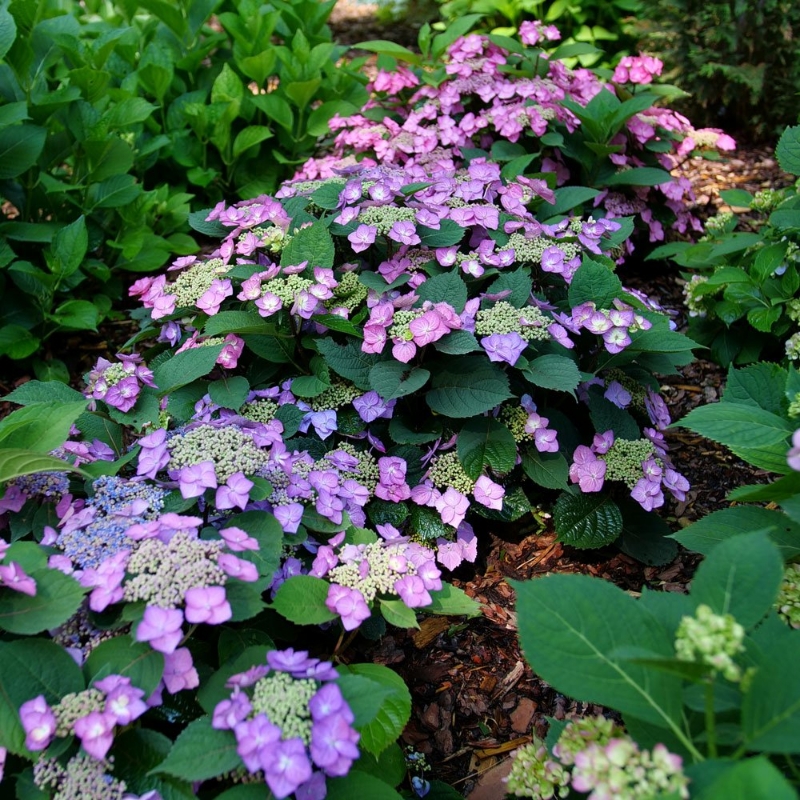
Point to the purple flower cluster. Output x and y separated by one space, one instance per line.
643 465
13 576
292 724
389 566
91 716
118 384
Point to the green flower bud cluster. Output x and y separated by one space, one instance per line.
75 705
581 733
340 394
793 309
230 449
114 374
350 292
260 410
161 574
287 287
720 223
387 564
383 217
766 200
273 238
789 597
694 301
534 774
792 347
82 778
309 187
529 322
399 328
284 700
515 418
711 639
624 460
528 250
446 470
192 283
794 406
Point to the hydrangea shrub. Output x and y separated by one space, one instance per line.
467 358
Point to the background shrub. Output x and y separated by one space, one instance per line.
740 61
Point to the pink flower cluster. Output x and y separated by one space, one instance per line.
639 69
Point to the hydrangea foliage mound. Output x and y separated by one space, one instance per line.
426 351
588 142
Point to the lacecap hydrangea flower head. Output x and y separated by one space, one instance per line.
293 727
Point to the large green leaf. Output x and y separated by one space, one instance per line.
34 392
391 379
138 750
758 385
445 288
349 361
301 599
546 469
185 367
20 147
586 520
483 441
358 784
40 428
771 705
15 462
28 668
553 372
705 534
393 711
753 434
595 283
740 576
57 598
313 244
200 752
752 779
124 656
467 387
788 150
570 628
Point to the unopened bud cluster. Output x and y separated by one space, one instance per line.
711 639
789 598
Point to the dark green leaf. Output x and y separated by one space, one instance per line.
586 520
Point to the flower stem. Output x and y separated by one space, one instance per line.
711 721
